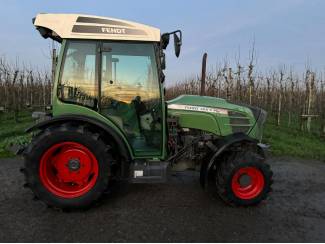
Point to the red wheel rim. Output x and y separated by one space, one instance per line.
250 189
68 169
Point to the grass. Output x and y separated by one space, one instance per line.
284 141
13 133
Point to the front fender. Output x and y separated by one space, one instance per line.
222 145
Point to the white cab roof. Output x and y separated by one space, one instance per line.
66 26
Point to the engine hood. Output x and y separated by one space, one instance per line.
216 115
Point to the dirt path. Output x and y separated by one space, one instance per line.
179 211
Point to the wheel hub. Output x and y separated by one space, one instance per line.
68 169
247 183
244 180
73 164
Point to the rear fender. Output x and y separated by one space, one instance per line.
89 120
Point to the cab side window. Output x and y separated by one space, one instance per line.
78 83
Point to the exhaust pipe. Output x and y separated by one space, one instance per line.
203 74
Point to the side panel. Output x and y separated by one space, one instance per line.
196 120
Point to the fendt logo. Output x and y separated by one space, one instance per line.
112 30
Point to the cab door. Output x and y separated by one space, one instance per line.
130 94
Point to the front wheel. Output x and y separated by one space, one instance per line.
243 178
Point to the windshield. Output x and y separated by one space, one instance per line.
131 68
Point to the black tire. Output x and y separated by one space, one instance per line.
67 133
227 169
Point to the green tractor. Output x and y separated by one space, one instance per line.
110 121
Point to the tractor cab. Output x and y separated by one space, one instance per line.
113 67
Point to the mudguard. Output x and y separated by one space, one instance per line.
99 124
222 145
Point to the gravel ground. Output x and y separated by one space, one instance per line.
175 212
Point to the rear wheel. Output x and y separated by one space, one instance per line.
243 178
67 166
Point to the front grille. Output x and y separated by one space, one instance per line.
239 122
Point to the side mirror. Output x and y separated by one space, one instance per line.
177 44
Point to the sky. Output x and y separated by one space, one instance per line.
285 32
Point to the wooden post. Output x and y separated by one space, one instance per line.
203 74
322 108
250 74
230 84
31 102
280 98
14 96
251 83
291 99
310 99
43 85
238 85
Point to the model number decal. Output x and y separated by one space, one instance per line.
198 108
